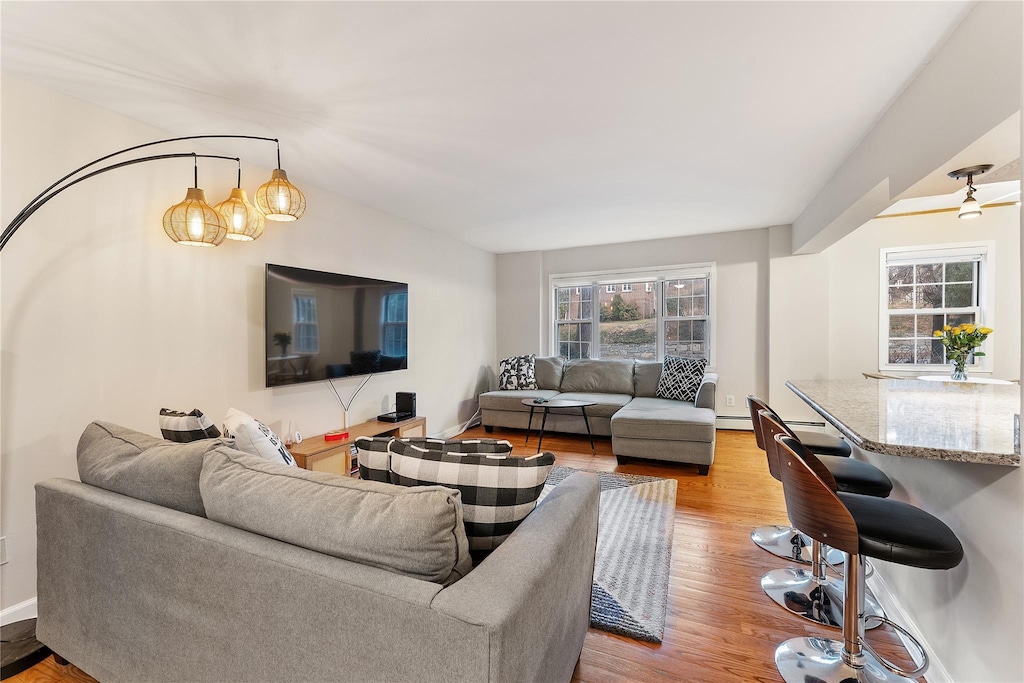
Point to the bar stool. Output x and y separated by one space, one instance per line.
785 541
813 594
859 526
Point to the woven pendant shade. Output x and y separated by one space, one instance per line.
243 220
193 222
279 199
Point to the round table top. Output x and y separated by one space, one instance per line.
557 403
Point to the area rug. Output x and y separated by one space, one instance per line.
634 552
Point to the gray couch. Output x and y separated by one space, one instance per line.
137 582
627 409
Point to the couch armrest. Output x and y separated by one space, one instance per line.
533 593
706 392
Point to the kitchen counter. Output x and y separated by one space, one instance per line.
959 422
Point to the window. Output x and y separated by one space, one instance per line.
923 290
654 314
396 328
307 329
573 321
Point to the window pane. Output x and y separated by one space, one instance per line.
584 332
901 351
928 296
629 323
700 286
901 297
959 295
700 305
686 307
672 307
960 272
901 326
700 330
959 319
930 272
927 324
901 275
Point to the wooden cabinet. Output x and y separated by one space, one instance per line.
316 453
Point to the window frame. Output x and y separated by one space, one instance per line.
315 325
983 252
658 276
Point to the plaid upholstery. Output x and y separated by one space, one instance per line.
498 491
681 377
375 459
186 427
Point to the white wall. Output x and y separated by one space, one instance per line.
102 317
742 293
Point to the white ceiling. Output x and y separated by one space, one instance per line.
511 126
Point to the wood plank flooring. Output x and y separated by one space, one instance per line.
720 627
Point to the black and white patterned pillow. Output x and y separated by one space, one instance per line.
186 427
498 491
255 438
517 372
374 458
681 378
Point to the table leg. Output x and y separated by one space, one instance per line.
583 409
529 426
543 422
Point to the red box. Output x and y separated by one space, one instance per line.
337 435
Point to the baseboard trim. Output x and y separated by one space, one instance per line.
19 612
735 422
936 673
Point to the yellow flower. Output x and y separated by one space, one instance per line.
985 330
968 328
947 328
956 330
937 333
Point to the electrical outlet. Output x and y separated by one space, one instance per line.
730 401
3 550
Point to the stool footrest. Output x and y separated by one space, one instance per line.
916 673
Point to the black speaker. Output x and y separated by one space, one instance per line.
405 402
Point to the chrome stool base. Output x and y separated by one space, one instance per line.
788 543
821 660
797 591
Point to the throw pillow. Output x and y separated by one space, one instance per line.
681 378
255 438
464 446
498 491
185 427
517 372
374 458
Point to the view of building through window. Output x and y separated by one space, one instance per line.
629 323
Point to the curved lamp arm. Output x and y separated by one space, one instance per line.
50 192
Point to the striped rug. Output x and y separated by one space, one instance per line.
634 552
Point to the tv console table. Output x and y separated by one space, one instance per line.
315 453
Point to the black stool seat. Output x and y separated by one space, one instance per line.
823 444
855 476
897 532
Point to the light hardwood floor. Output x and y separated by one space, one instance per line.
720 626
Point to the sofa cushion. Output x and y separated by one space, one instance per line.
681 377
594 375
182 427
512 400
417 532
517 372
255 438
605 405
498 491
144 467
646 375
548 371
662 418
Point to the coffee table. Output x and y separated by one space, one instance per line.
548 404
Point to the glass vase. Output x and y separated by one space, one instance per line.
958 372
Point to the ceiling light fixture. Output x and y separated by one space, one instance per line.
970 208
193 222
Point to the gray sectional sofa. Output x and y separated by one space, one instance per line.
138 582
627 408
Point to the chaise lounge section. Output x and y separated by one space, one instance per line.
627 409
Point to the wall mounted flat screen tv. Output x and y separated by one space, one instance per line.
325 325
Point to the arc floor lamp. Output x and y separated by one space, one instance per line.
193 222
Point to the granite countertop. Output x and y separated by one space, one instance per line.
962 422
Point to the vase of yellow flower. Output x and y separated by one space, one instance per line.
962 342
